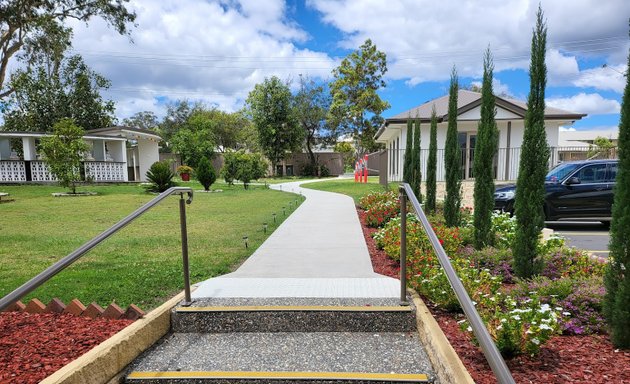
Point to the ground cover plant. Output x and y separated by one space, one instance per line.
141 264
550 328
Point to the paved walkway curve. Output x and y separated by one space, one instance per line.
318 251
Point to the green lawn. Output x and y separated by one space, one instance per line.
141 264
348 187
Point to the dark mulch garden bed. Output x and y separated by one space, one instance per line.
33 346
564 359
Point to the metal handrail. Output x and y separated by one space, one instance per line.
493 356
54 269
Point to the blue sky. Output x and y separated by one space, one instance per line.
216 51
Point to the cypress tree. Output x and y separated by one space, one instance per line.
432 164
407 163
530 185
453 159
617 277
415 167
485 149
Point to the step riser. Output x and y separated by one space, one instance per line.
225 322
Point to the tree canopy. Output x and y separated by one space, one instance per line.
71 90
311 104
356 106
270 107
28 27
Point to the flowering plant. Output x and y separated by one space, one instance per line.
521 327
184 169
380 213
368 201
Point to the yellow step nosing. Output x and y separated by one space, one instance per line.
399 377
286 308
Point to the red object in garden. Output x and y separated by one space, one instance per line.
356 171
185 176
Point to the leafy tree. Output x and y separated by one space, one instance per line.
347 151
617 277
530 185
251 166
356 106
64 152
205 173
41 98
416 173
161 177
230 167
177 115
432 164
270 107
453 159
146 120
485 149
311 104
408 157
28 27
195 140
601 146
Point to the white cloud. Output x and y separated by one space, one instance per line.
423 39
605 79
567 129
210 51
592 104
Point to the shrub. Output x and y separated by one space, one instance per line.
571 262
521 327
549 291
417 240
583 308
381 212
324 171
498 261
383 235
160 176
504 228
366 202
205 173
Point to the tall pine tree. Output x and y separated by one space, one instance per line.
407 164
453 157
530 185
416 173
485 149
617 277
432 164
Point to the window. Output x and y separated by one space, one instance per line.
289 170
595 173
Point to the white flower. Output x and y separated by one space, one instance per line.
566 313
545 326
558 309
528 301
544 308
529 332
500 327
535 341
469 329
444 292
474 302
461 321
504 320
516 317
492 298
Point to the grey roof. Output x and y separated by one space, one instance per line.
467 100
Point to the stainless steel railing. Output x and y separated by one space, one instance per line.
54 269
488 347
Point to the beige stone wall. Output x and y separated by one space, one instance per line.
468 187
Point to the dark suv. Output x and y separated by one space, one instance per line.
578 189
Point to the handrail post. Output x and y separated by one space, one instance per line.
403 247
182 224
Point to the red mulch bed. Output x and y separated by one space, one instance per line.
33 346
563 359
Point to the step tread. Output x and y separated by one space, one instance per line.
295 308
287 351
281 375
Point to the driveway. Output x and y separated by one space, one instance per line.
587 235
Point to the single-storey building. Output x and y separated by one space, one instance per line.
117 154
510 118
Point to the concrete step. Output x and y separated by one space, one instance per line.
294 315
251 357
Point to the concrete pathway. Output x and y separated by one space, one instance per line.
318 251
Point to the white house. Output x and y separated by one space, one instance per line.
510 121
117 154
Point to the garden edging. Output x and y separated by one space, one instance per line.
109 358
446 363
